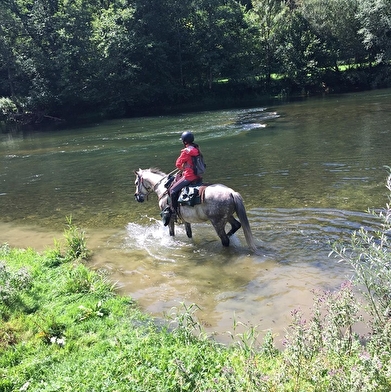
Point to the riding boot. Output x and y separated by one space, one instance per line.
174 209
166 215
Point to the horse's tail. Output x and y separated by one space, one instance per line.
242 215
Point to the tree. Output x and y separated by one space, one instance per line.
162 35
51 53
67 57
218 39
267 17
114 41
183 46
8 35
300 52
335 23
375 19
62 54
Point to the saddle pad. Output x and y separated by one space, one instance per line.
190 196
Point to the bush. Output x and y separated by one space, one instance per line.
368 254
76 242
12 284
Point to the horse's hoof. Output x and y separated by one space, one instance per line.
225 243
166 221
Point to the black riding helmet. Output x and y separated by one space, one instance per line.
187 137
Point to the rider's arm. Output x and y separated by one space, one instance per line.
180 162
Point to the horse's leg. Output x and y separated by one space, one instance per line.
235 226
188 230
171 227
220 230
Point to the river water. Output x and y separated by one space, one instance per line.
307 170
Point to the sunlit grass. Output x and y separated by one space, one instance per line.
63 328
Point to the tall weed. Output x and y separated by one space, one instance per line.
76 242
369 255
327 333
12 285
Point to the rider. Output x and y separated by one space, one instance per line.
185 164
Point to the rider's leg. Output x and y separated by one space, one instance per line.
174 192
170 211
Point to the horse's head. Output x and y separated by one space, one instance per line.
147 181
142 189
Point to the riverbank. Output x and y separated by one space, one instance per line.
65 328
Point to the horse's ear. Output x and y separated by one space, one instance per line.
136 172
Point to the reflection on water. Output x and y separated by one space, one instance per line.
306 170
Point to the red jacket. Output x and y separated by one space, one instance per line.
185 162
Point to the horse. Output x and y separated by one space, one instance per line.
218 206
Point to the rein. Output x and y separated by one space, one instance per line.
150 190
166 176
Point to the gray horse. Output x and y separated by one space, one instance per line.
219 204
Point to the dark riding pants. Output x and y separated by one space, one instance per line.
175 190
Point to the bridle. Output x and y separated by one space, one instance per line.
143 190
140 195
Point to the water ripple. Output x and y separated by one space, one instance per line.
307 234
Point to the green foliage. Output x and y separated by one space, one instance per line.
7 108
375 18
80 279
184 323
368 254
12 285
95 311
75 247
248 340
268 18
68 59
53 256
327 334
51 331
76 334
76 242
301 51
337 25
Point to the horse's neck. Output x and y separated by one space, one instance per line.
160 190
157 184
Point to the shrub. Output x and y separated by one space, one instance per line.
12 284
76 242
368 254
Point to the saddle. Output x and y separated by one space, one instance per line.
190 196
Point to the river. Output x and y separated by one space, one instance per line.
308 171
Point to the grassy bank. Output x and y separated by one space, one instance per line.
63 328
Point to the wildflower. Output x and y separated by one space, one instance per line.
365 356
61 341
25 386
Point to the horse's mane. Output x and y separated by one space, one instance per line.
157 171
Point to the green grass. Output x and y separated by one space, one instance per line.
63 328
